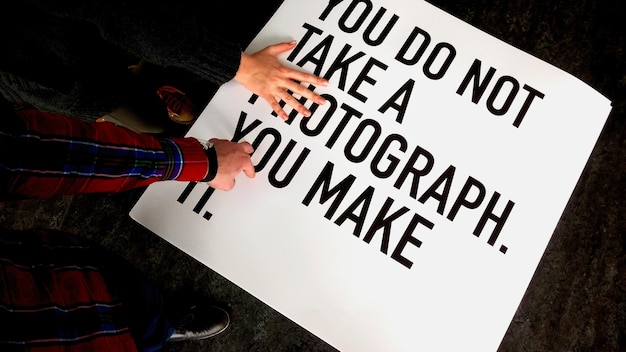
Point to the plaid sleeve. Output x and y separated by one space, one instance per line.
43 155
54 297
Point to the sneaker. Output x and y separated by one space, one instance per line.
180 108
201 323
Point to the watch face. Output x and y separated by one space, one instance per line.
206 145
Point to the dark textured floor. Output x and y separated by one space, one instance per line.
576 300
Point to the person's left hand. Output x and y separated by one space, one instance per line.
264 75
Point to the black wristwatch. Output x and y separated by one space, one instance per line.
211 154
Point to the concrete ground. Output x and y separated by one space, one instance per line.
576 300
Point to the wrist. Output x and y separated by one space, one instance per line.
243 67
211 154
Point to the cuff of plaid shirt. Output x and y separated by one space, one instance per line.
194 160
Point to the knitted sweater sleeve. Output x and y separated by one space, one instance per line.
166 33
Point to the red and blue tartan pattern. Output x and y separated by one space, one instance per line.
53 296
43 154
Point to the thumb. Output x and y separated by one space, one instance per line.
280 48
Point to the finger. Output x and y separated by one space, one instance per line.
307 93
280 48
277 108
247 147
294 103
222 185
246 166
230 185
249 171
301 109
306 77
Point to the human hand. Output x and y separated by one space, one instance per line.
232 158
264 75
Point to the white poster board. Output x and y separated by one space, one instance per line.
410 211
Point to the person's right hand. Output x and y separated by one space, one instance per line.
232 158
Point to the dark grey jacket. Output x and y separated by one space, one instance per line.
71 57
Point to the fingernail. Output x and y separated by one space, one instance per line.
321 101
